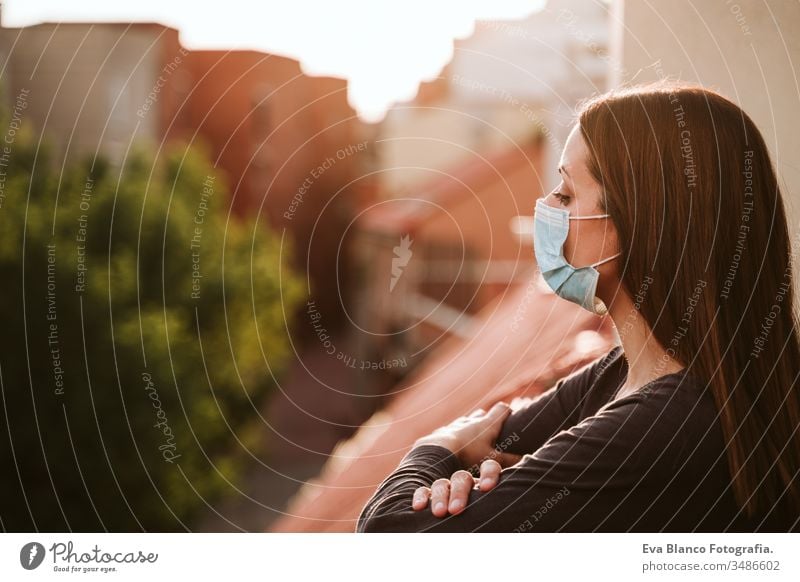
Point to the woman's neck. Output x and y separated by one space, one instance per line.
647 359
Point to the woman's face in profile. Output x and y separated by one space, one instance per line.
588 241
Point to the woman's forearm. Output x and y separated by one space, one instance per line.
388 508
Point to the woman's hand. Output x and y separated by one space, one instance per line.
451 495
472 438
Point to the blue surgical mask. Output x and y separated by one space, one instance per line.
575 284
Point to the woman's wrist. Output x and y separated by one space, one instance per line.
438 440
470 438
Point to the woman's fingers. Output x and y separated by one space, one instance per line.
498 413
461 483
490 474
440 497
452 495
420 499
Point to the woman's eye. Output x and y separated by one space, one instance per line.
563 199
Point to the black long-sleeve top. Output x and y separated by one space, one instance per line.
650 461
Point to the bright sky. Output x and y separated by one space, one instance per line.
383 47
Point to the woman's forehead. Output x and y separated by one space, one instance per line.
574 163
573 157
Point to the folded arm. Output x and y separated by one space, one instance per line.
586 478
552 411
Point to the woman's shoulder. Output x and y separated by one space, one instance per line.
588 375
645 429
668 398
598 379
665 417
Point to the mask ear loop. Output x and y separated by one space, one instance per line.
588 217
600 308
611 258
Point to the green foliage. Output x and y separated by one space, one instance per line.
163 371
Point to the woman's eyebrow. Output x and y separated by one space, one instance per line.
568 179
563 169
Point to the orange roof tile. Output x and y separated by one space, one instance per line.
459 182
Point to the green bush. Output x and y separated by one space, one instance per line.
133 371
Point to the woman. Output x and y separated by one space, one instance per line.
670 219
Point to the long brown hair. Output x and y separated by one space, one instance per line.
691 189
